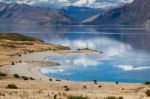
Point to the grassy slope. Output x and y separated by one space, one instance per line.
16 37
12 43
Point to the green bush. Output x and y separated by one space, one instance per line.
2 74
12 86
67 89
55 96
12 63
16 76
112 97
25 78
147 83
77 97
31 78
147 93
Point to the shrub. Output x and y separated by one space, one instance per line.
12 63
117 82
55 96
12 86
1 94
147 83
95 81
31 78
16 76
2 74
99 86
147 93
50 79
85 87
112 97
77 97
25 78
58 80
66 88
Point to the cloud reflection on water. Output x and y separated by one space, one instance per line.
118 55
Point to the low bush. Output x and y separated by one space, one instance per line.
16 76
2 74
99 86
58 80
147 83
55 96
112 97
95 81
12 86
85 87
117 82
50 79
25 78
147 93
31 78
66 88
77 97
1 94
12 63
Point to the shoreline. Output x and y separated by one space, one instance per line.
42 86
30 64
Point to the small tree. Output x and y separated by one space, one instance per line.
12 86
147 93
12 63
55 96
95 81
16 76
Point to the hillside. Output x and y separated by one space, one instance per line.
22 13
134 13
13 44
80 13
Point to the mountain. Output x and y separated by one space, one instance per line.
22 13
134 13
79 13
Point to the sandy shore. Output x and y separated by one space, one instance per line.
30 64
41 88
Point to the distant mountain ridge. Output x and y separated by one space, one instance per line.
80 13
22 13
134 13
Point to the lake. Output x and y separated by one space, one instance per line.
125 58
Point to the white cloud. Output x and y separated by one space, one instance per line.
85 62
62 3
130 67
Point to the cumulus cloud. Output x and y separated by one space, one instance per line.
130 67
63 3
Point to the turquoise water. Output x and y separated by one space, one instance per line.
125 58
119 62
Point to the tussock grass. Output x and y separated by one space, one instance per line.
77 97
12 86
16 37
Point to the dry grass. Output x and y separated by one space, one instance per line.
15 44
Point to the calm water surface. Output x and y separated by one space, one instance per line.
126 56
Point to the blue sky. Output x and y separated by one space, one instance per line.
80 3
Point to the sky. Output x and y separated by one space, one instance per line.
64 3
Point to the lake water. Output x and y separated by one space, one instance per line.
125 58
